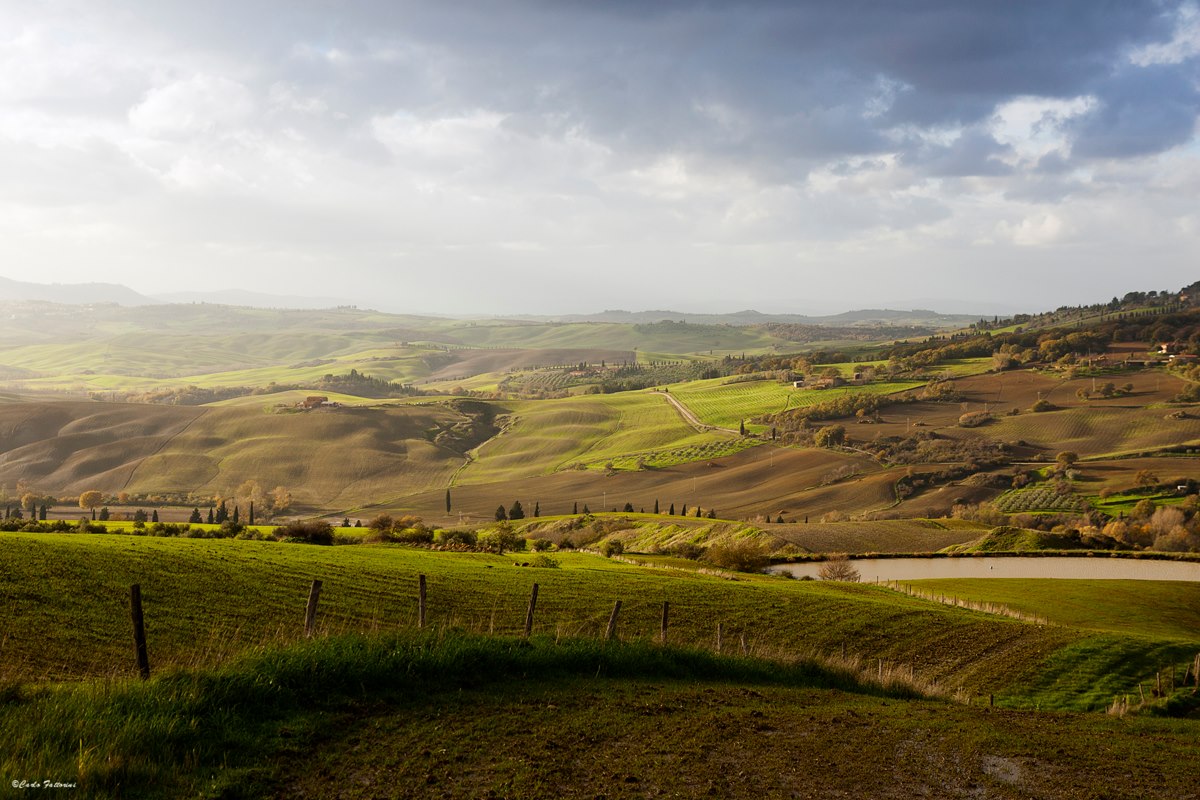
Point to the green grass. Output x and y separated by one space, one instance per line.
445 709
1159 609
724 404
547 435
207 600
1039 498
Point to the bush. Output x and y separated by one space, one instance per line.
455 539
1042 405
309 531
539 545
973 419
612 547
544 561
741 555
839 568
688 550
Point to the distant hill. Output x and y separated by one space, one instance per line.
865 318
71 293
240 297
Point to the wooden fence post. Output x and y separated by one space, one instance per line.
612 622
720 631
420 601
529 613
139 630
663 631
310 613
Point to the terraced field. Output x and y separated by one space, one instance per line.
1039 498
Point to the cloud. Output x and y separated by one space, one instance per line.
195 105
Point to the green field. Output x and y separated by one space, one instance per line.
547 435
725 403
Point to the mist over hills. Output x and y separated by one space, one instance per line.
110 293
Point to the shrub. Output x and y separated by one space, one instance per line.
688 550
309 531
455 539
973 419
1042 405
839 568
539 545
544 561
612 547
741 555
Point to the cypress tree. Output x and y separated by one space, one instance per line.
672 510
697 512
684 512
656 505
575 508
154 515
42 512
586 510
250 521
447 501
516 512
211 520
195 518
236 514
537 509
500 513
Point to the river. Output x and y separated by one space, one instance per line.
1082 567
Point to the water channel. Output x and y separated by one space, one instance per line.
1081 567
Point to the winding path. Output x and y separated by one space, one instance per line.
691 418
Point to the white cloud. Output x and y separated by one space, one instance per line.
1184 44
196 105
1033 126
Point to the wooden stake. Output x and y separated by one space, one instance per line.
139 631
529 613
663 629
420 601
720 631
611 633
310 614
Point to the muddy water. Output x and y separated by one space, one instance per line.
1082 567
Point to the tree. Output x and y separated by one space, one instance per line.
447 501
830 436
91 500
154 515
1145 477
656 505
575 508
586 510
222 513
195 518
671 511
139 515
683 513
537 509
500 513
42 512
236 514
515 511
1066 459
628 508
281 499
211 519
251 492
250 520
742 428
697 512
103 514
838 568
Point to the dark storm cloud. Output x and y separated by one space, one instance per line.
800 80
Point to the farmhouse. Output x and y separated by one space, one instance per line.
314 401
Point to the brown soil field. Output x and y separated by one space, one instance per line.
748 484
479 362
900 536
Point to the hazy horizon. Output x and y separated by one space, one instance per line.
565 158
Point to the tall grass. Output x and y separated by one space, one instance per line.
176 732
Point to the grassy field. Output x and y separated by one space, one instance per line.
719 402
883 536
1153 609
548 435
1096 432
482 717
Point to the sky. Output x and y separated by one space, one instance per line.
569 156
